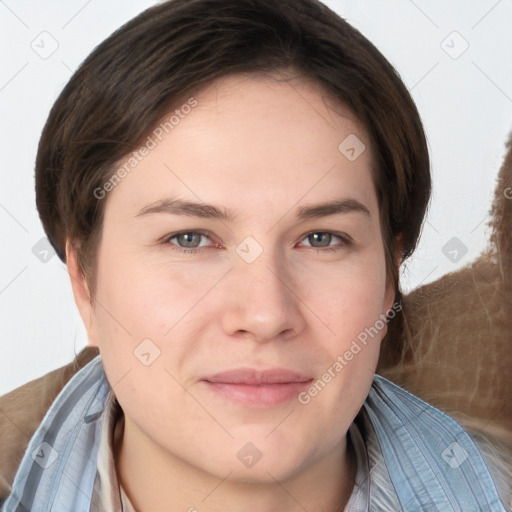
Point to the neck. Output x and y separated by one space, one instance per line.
151 477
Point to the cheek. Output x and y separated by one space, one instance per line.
145 296
149 313
145 326
352 308
349 296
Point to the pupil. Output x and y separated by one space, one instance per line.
320 237
187 237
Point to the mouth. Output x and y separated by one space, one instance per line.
253 388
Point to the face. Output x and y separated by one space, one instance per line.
240 266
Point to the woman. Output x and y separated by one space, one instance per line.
233 186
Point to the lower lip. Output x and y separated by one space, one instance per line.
262 395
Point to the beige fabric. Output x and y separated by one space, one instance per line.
22 410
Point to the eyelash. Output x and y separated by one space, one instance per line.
346 241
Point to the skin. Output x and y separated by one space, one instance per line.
261 149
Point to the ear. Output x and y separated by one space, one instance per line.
81 293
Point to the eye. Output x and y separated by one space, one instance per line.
187 241
196 241
321 240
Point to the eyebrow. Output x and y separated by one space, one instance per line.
208 211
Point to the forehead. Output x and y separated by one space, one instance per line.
251 141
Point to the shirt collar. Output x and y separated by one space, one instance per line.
108 493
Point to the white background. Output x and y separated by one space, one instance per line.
465 104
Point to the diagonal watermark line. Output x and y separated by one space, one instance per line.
70 479
217 486
298 200
480 430
485 15
14 14
497 289
491 80
198 301
99 304
286 491
424 14
68 67
428 72
75 15
12 280
14 76
368 476
280 423
426 277
120 379
431 225
200 404
306 101
13 217
478 225
15 424
83 84
301 300
113 317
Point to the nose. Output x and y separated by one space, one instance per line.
261 302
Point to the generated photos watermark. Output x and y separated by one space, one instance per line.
151 143
343 360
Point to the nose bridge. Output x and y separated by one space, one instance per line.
268 282
261 262
261 299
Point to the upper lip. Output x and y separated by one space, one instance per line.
255 377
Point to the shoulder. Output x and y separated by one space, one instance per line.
431 457
23 409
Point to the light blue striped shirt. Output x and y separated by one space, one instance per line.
424 458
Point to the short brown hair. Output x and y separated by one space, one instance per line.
150 64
